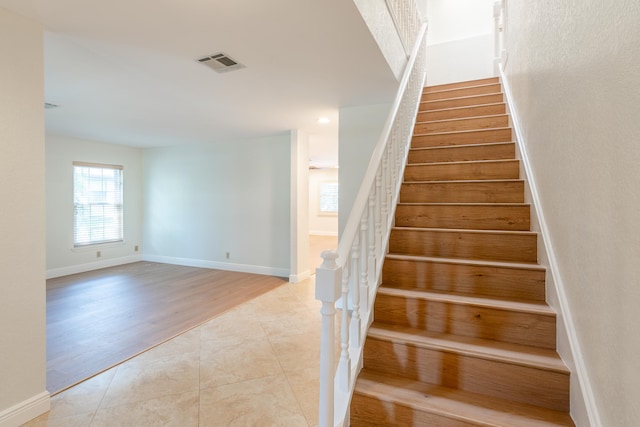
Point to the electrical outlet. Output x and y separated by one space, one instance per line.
98 254
227 255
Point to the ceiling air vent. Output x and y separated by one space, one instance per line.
220 63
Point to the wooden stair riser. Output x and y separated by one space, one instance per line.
463 192
462 138
512 326
486 169
460 216
367 411
461 92
493 246
488 281
461 112
401 401
467 101
504 380
459 85
463 153
454 125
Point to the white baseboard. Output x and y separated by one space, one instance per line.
81 268
295 278
565 317
26 410
242 268
323 233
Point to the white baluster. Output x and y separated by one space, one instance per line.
355 333
388 195
344 366
328 280
372 245
378 209
385 199
364 261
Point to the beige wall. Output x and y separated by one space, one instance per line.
22 221
574 71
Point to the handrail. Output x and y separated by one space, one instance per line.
351 275
406 18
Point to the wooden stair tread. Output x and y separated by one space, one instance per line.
475 301
467 106
458 85
517 354
461 181
461 204
482 263
457 132
457 92
441 147
463 162
456 119
457 230
456 404
459 97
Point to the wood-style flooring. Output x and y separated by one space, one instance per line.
98 319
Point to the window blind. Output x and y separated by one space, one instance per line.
97 201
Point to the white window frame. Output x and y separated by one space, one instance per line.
328 198
101 198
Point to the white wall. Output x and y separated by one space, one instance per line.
324 225
22 222
360 129
299 215
62 258
380 23
574 70
204 201
460 41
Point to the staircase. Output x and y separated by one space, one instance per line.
462 335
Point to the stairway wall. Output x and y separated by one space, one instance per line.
460 42
23 392
573 72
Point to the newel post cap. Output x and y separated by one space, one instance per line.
328 278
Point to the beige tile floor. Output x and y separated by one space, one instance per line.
256 365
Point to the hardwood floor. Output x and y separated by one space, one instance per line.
98 319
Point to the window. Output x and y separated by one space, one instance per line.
97 201
328 192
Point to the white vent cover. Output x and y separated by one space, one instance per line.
220 63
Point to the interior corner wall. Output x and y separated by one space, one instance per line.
573 70
321 224
204 201
22 222
299 196
460 40
359 131
62 257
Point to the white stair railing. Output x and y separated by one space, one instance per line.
349 278
407 21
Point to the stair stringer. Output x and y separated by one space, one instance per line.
584 410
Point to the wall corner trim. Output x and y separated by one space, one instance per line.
295 278
26 410
201 263
81 268
574 344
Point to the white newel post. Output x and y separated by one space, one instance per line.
328 287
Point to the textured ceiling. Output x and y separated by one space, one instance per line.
124 72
